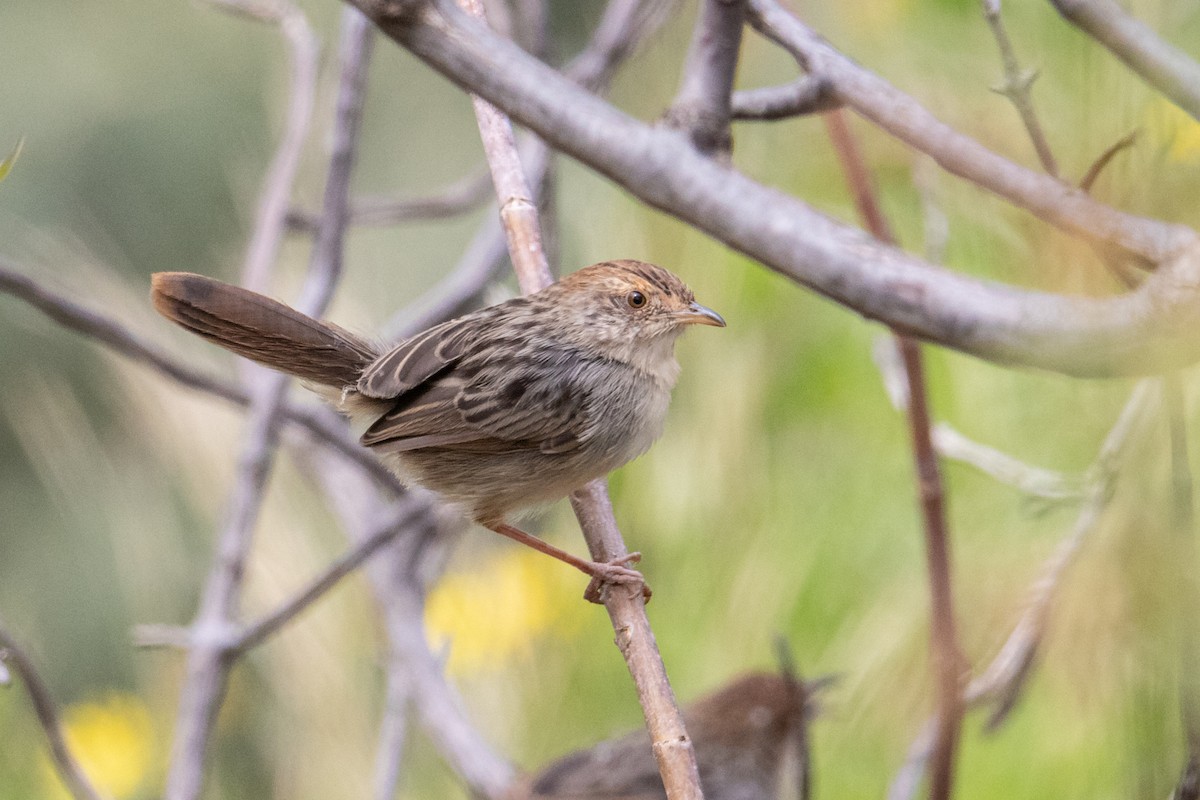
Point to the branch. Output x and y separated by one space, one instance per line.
1017 85
702 107
1142 331
462 195
672 748
112 334
903 117
808 94
399 575
271 217
43 705
1003 679
209 662
1160 64
946 653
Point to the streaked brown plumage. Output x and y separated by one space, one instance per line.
740 733
505 408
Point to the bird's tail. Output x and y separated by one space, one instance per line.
261 329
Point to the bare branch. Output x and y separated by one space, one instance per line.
701 108
1033 481
625 25
326 429
947 656
1160 64
903 117
462 195
1001 682
1142 331
808 94
1102 161
1017 85
399 519
209 660
672 748
271 217
399 575
43 706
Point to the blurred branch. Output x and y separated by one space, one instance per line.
701 108
209 662
808 94
947 656
1160 64
271 217
399 518
669 741
903 117
43 706
460 196
1017 85
1145 330
1001 682
112 334
399 576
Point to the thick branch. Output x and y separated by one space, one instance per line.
1159 63
43 705
1140 332
701 109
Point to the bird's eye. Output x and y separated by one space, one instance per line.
637 299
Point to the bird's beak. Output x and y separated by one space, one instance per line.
696 314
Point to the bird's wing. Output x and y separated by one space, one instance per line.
415 361
490 406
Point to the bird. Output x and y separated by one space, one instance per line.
498 411
740 733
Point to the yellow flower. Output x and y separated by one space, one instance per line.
493 613
1180 130
113 740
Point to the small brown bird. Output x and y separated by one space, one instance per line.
740 733
508 407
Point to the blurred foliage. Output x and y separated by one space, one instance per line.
780 499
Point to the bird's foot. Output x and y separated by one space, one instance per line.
615 573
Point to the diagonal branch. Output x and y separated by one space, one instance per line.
808 94
43 705
669 740
1139 332
1162 65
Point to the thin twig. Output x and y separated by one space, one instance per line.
1159 63
462 195
64 760
1017 86
669 740
399 519
1102 161
271 216
948 660
808 94
210 660
1001 682
701 108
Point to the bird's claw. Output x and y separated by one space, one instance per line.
615 573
